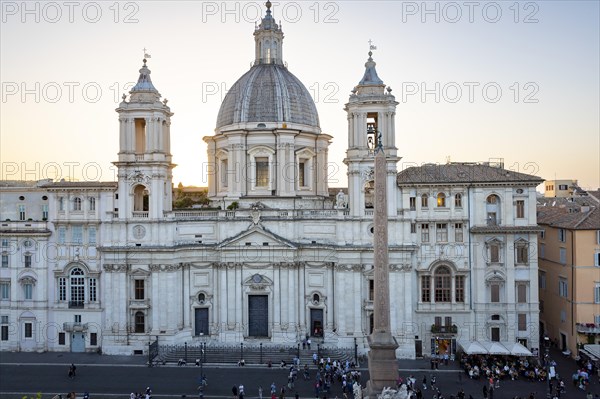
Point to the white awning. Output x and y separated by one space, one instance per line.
517 349
495 348
472 348
593 351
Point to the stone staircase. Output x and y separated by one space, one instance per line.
252 354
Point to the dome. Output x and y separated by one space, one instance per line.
268 92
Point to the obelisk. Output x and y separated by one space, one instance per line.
383 366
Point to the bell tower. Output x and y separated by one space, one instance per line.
371 110
144 165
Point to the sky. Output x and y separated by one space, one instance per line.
474 80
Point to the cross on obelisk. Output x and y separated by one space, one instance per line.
383 366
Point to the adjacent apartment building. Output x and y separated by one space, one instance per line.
569 270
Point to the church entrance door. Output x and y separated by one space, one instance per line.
201 321
316 322
77 342
258 315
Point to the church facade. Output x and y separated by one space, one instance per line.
110 266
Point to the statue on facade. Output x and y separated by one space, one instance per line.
340 200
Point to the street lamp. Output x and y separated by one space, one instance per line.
547 365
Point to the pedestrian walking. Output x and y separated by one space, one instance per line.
241 391
234 391
424 382
260 392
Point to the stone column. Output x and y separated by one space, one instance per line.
383 366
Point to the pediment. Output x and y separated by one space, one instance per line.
256 237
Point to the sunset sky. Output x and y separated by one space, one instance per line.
511 80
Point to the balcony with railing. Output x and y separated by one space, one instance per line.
75 327
588 328
140 214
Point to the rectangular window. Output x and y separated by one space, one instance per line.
443 288
413 228
45 212
62 289
21 212
597 293
459 284
522 318
438 321
562 235
27 261
425 289
494 253
441 232
301 174
495 290
447 321
424 201
563 288
92 235
77 234
77 318
458 232
542 251
5 243
4 333
262 171
521 293
93 339
4 260
424 232
597 259
520 209
4 291
598 237
92 287
458 200
563 316
28 291
597 319
412 203
522 254
62 234
563 255
371 290
61 204
139 289
562 187
543 234
542 282
28 330
61 338
92 204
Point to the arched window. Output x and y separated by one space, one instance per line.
443 284
140 199
458 200
493 199
77 204
77 288
77 283
140 322
316 299
493 210
441 200
424 201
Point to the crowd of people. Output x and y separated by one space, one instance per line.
502 367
